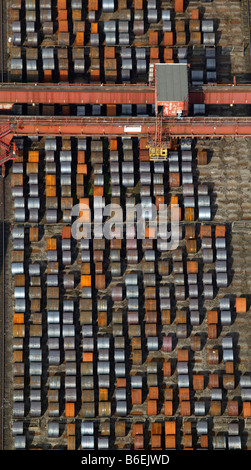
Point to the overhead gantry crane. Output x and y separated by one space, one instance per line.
169 92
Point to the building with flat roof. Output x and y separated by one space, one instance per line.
171 89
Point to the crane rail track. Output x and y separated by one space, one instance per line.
2 255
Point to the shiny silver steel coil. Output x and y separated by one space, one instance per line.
120 369
167 26
19 442
71 395
68 319
32 39
173 166
53 429
18 232
18 410
30 27
19 202
119 355
216 394
121 408
16 40
124 39
18 395
221 279
202 427
152 15
20 305
188 190
33 203
19 214
208 39
182 368
153 343
51 216
208 255
17 428
227 342
208 291
208 278
221 254
220 266
138 27
53 343
16 26
110 26
108 6
18 168
141 66
186 156
204 213
94 39
110 39
87 442
140 53
228 355
206 243
204 201
52 255
17 268
53 330
199 408
33 215
33 179
207 26
55 382
17 191
165 15
68 305
123 26
220 243
34 190
34 342
202 189
115 269
104 381
186 167
181 330
225 303
136 381
187 178
234 443
183 380
195 317
103 443
189 201
35 368
133 304
103 342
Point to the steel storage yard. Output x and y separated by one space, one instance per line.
123 343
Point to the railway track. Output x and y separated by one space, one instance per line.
2 256
2 312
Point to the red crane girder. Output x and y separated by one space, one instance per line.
11 93
59 93
132 126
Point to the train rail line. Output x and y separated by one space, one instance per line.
2 256
2 310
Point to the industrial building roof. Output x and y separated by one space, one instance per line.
172 82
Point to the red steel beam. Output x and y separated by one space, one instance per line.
220 95
11 93
133 126
60 93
